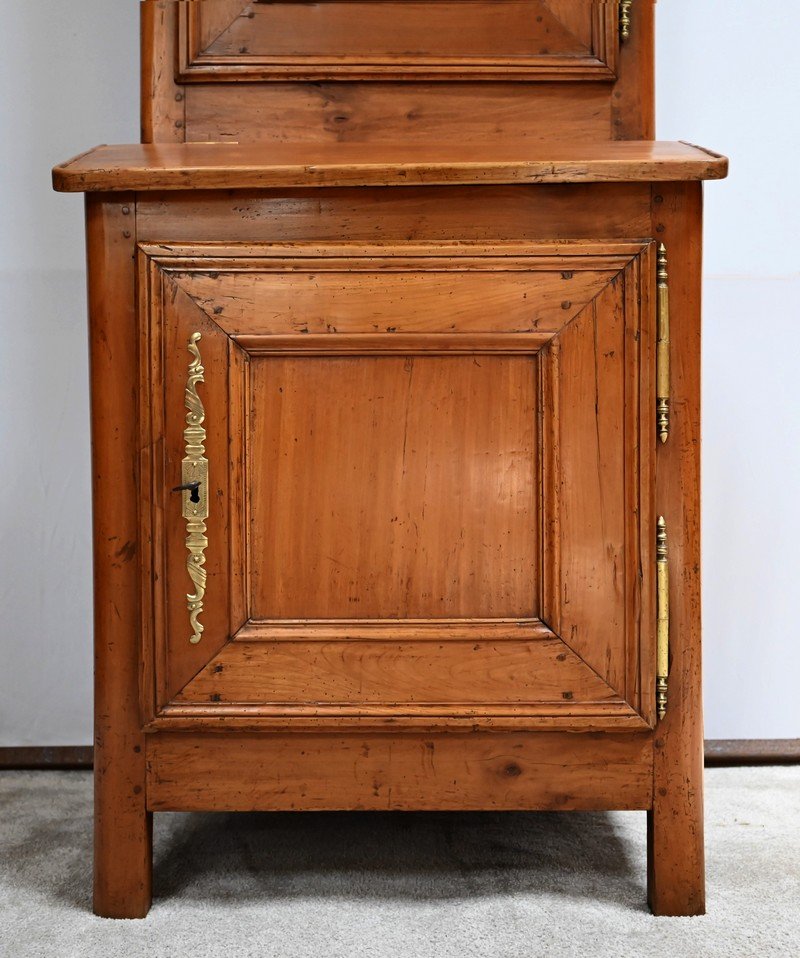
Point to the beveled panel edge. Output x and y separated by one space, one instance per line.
393 630
639 645
432 256
415 254
195 65
611 717
152 283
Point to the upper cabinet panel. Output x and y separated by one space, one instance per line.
229 40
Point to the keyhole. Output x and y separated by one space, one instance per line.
193 488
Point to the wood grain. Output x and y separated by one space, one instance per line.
214 20
395 113
122 826
597 468
489 771
410 496
208 166
549 213
356 297
163 101
633 99
473 675
676 858
522 39
222 54
602 429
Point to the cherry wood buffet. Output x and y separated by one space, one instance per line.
395 414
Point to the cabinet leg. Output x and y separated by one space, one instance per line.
675 849
675 873
123 846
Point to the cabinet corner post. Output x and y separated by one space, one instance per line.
676 856
122 824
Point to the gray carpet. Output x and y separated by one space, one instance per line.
402 886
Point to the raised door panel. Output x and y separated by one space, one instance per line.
369 478
429 491
398 39
166 360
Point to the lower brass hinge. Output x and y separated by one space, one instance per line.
625 19
662 633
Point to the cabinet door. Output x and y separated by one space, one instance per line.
429 483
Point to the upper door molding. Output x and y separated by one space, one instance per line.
222 41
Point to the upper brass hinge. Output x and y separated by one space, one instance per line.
625 19
662 346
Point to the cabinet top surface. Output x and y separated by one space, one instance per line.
207 166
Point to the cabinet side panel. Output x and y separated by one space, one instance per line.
122 838
676 854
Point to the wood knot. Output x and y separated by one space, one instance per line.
512 770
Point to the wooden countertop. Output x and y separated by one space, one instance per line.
211 166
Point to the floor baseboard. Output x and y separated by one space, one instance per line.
752 751
718 752
46 756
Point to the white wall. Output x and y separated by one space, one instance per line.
68 80
728 78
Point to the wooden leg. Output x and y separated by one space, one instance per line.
676 860
675 850
122 866
122 841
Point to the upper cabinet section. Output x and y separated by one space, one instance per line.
220 40
397 71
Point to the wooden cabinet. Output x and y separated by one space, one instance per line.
381 501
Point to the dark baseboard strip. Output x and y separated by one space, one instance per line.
46 756
719 752
752 751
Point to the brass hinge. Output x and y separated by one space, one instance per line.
625 19
662 633
662 347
